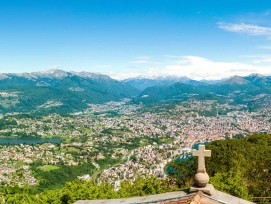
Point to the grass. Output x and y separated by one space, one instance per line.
86 130
72 149
48 167
19 163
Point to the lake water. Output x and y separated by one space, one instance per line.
17 141
196 146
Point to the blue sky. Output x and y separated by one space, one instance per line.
126 38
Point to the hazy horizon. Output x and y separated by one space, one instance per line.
51 71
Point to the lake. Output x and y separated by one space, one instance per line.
17 141
196 146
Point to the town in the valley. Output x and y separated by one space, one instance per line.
120 139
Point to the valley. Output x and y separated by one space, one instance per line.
58 127
116 141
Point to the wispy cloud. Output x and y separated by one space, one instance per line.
197 68
265 47
258 59
172 56
248 29
144 60
103 66
263 59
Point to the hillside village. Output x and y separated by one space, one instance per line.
136 139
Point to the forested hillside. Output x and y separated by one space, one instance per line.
240 167
253 89
57 91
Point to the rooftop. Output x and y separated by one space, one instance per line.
178 197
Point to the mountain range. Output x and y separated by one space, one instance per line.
66 92
59 91
142 83
236 89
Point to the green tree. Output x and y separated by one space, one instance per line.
182 170
231 182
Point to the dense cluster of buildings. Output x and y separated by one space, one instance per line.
143 140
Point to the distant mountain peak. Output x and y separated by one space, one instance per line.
3 76
55 73
158 77
235 80
256 75
91 75
143 82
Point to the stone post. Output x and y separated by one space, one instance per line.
201 178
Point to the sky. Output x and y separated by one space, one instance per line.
207 39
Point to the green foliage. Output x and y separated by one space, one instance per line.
240 167
23 198
145 186
7 123
89 190
231 182
182 170
250 155
48 167
57 177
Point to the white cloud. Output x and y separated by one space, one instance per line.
198 68
248 29
103 66
259 59
144 60
201 68
265 47
172 56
